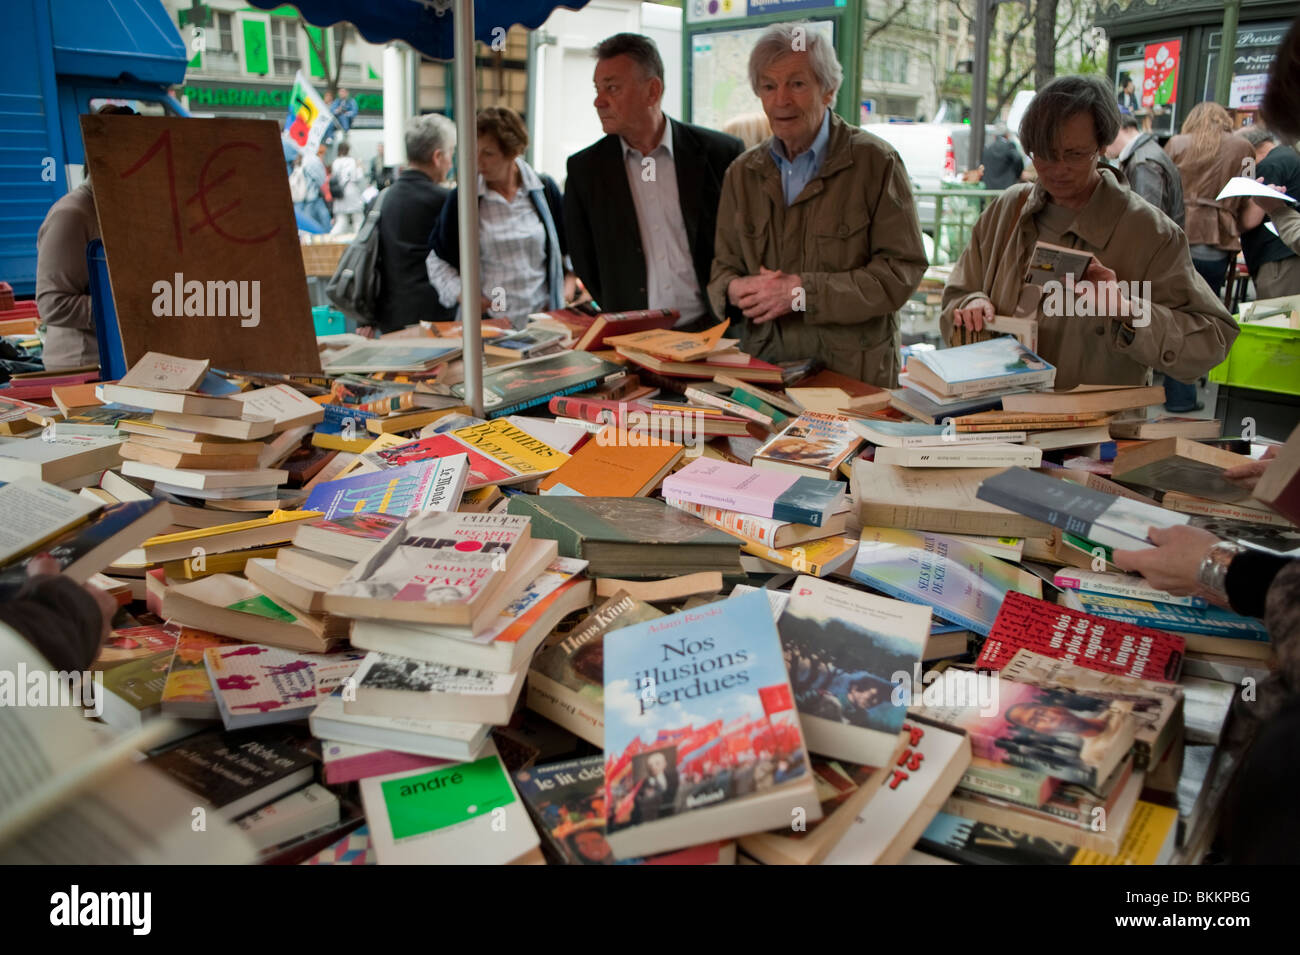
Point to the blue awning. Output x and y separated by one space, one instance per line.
425 24
117 39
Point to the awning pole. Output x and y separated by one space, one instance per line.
471 315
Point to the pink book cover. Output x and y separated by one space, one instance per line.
252 678
482 469
732 487
347 762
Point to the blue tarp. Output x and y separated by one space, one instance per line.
425 24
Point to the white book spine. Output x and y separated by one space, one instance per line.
1113 586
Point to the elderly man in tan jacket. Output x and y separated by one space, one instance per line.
1104 334
818 244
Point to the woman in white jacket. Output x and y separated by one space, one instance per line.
346 171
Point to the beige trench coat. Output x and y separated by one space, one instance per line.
1189 332
851 236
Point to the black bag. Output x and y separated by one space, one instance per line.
354 286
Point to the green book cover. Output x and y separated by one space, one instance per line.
759 405
574 521
446 797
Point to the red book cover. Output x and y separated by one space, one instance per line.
1096 643
608 324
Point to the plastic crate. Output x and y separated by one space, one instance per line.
1264 358
329 321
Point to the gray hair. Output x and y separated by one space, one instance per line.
426 134
639 48
782 38
1256 135
1059 101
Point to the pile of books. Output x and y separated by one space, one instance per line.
660 600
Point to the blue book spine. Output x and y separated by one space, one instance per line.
900 593
1206 622
542 399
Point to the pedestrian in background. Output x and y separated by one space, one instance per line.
1274 267
345 185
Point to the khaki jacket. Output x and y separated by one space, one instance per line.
1189 332
1210 221
851 236
63 281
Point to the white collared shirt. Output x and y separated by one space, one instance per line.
669 271
512 254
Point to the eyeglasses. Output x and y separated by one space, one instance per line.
1075 157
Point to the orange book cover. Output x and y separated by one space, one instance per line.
615 463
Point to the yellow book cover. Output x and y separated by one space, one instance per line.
671 345
513 447
192 568
817 558
337 442
1146 837
205 533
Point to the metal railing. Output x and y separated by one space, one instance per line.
955 210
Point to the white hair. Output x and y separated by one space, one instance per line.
426 134
781 39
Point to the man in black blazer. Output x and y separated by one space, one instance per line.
641 205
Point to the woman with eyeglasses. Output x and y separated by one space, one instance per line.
1139 306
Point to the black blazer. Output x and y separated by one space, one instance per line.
600 217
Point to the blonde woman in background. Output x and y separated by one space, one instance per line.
750 128
1207 156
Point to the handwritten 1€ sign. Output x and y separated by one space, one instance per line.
202 204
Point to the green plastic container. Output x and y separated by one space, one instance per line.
1263 358
328 321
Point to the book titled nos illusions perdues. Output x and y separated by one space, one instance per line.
702 738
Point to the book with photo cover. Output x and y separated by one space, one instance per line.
843 649
388 685
1072 736
814 443
566 801
534 382
702 738
566 682
999 364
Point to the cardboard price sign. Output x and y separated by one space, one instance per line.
201 241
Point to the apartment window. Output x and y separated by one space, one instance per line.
952 24
284 46
224 32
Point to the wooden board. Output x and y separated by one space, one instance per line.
206 200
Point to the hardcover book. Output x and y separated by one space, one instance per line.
566 683
1180 464
634 538
962 583
534 382
844 650
702 739
1107 646
736 487
1072 736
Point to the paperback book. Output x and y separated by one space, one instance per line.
814 444
702 738
436 485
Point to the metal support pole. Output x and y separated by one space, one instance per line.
1227 51
471 315
979 85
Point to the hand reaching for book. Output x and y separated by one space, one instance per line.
1248 475
1172 565
66 622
